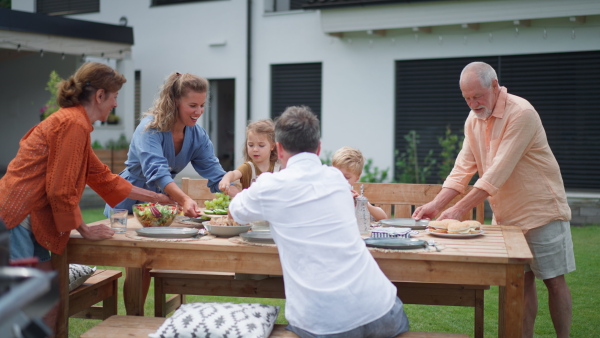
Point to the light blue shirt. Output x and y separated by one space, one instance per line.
332 282
152 163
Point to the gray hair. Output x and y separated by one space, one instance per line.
484 72
297 130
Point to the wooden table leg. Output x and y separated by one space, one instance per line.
60 265
135 289
511 303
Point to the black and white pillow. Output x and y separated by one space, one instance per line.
78 274
215 320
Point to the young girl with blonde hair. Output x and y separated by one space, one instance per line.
260 155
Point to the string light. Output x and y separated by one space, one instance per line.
24 47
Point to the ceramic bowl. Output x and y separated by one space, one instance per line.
226 230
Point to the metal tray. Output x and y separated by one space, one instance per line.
395 243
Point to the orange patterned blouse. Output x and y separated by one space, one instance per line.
47 178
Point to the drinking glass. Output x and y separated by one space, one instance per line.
118 220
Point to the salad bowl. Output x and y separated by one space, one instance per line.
154 214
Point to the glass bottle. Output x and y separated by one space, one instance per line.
363 217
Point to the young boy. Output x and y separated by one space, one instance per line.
350 162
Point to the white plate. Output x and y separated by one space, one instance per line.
440 234
404 222
263 237
212 215
167 232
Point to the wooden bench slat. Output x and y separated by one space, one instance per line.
100 287
138 327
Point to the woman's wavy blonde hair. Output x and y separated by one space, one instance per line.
175 87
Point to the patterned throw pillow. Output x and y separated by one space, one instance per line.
215 320
78 274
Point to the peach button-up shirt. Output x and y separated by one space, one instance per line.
516 166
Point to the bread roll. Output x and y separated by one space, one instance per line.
458 228
474 225
440 226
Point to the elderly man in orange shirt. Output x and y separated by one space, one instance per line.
506 144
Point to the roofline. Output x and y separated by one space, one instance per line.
55 25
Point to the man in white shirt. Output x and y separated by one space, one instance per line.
333 286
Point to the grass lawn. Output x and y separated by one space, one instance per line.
582 282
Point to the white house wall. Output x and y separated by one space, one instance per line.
358 69
178 38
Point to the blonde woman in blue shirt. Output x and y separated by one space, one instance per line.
168 138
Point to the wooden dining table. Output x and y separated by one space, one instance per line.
497 257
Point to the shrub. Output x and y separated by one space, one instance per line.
408 167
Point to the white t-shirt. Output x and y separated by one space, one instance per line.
332 282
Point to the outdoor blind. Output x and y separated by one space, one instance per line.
563 87
296 85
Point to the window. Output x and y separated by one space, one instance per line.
173 2
283 5
296 85
66 7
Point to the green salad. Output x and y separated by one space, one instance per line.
154 214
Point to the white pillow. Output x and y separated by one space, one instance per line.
78 274
219 320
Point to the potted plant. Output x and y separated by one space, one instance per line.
52 87
119 148
113 118
105 155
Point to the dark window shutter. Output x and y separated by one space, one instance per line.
296 85
137 97
428 99
296 4
563 87
173 2
65 7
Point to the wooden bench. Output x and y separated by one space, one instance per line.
100 287
399 200
177 282
138 327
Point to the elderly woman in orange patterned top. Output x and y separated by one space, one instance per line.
40 193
